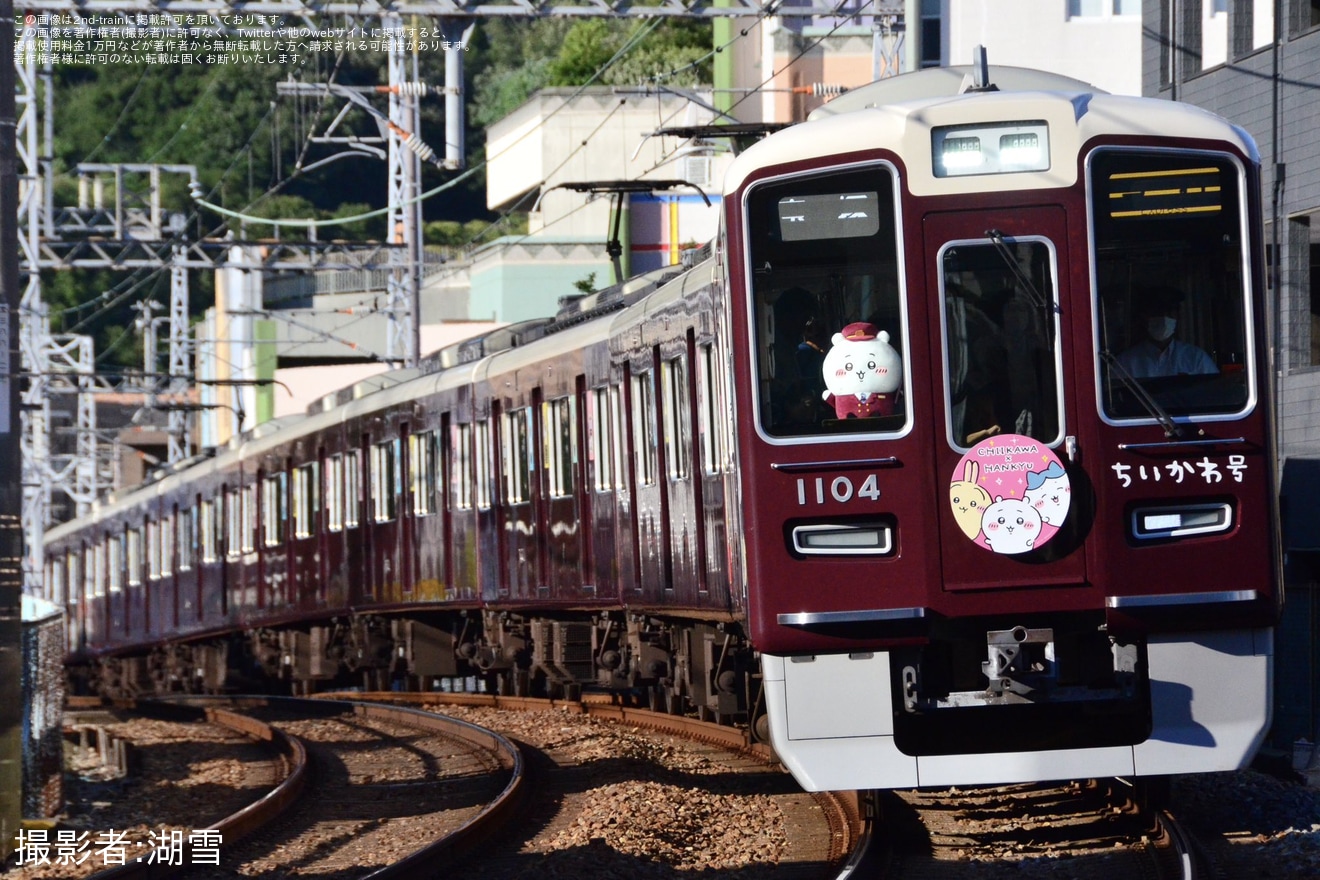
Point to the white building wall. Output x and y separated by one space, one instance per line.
1102 49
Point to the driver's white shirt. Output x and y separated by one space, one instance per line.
1145 360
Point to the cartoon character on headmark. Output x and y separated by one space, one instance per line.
1049 492
862 372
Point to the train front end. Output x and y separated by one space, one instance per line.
1005 444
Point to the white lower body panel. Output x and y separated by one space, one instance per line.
832 720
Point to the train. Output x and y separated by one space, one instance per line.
950 461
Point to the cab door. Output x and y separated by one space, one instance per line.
1014 515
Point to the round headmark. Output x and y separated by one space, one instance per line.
1010 494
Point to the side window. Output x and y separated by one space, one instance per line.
384 480
484 456
274 509
58 590
153 549
643 416
516 455
714 420
423 478
98 564
116 562
334 493
559 418
603 460
134 557
678 422
209 531
305 501
352 488
460 471
168 527
187 520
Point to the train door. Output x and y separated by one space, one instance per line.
682 490
566 523
651 513
1010 403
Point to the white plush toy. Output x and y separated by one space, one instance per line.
862 372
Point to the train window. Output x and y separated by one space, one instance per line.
602 440
713 417
826 260
55 581
352 488
516 454
1001 340
334 492
115 562
305 500
210 531
678 423
423 475
187 536
560 444
274 509
1173 298
383 480
461 467
153 549
482 477
98 567
167 545
643 413
134 554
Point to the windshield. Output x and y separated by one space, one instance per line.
1001 352
828 330
1169 256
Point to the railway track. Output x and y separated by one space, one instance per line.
1099 829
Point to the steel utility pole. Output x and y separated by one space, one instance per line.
11 491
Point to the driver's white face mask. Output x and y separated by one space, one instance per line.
1161 328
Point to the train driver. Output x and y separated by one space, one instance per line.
1159 353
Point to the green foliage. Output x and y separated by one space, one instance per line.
457 234
587 284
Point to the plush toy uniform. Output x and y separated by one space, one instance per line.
862 373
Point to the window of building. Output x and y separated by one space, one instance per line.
1305 15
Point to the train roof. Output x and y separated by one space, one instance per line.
1075 114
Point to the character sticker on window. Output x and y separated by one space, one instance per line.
1010 494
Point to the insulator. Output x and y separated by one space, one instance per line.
418 146
826 90
415 89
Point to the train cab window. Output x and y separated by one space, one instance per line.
560 444
134 555
1173 298
423 476
678 423
384 480
210 531
352 488
1001 335
516 454
825 285
643 416
305 500
482 479
460 468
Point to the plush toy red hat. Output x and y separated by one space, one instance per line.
859 332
